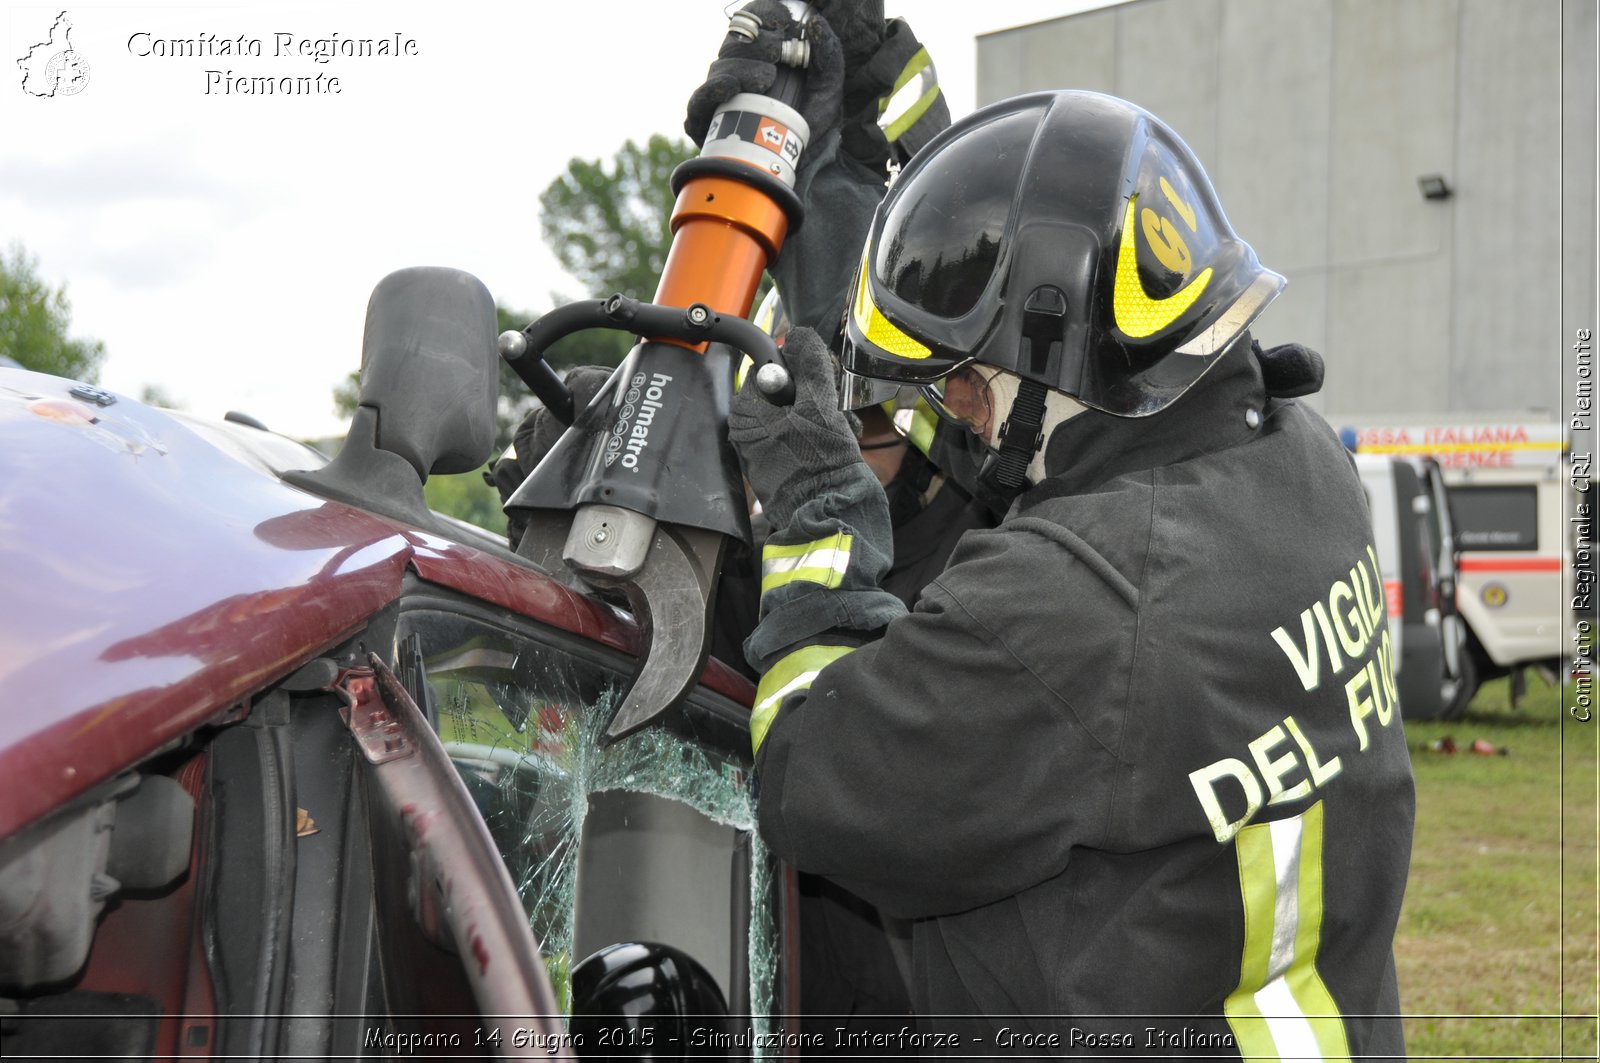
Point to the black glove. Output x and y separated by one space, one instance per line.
782 448
831 541
752 66
859 26
534 437
899 70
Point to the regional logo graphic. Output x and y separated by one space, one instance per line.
53 67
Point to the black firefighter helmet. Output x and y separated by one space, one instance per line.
1070 238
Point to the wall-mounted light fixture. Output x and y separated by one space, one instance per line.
1434 186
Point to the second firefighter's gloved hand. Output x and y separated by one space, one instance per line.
743 65
831 540
534 437
784 448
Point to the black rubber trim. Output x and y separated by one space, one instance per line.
250 868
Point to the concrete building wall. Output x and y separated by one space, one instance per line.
1315 118
1508 219
1272 165
1578 152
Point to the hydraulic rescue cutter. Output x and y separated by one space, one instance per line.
643 491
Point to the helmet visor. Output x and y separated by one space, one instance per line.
944 232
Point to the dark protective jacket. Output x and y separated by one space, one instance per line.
854 962
926 530
1133 764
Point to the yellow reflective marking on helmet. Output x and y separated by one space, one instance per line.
1138 315
877 329
1184 209
1165 240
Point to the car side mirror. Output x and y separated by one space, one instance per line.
430 379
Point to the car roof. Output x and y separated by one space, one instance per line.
153 577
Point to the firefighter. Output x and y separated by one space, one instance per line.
1132 766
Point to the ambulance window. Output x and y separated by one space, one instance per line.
1495 518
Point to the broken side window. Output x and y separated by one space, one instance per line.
651 838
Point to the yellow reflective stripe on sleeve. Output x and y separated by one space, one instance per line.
745 365
1281 1008
914 66
823 561
914 90
793 672
896 129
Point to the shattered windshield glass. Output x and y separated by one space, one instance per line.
651 838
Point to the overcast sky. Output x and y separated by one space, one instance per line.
223 246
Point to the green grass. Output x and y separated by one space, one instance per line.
1497 941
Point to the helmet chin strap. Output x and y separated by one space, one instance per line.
1028 413
1020 437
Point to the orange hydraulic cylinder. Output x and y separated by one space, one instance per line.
724 233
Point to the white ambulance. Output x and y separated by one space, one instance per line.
1510 502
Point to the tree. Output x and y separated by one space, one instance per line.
608 223
34 322
467 497
158 395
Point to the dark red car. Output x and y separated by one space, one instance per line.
293 766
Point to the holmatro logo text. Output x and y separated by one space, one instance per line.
631 434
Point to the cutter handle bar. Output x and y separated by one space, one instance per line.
524 351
